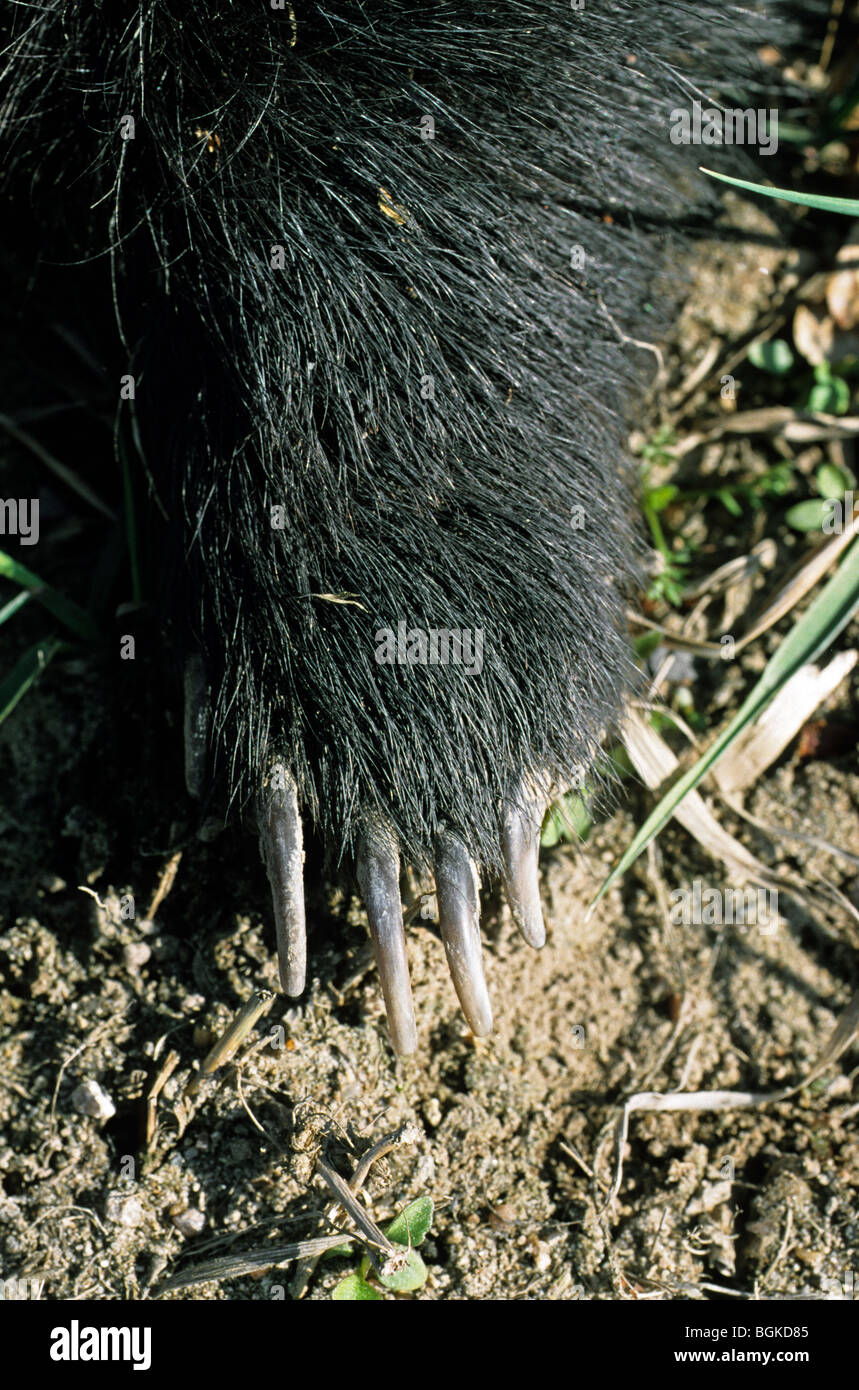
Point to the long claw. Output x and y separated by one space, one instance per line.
520 845
283 856
457 891
378 865
198 717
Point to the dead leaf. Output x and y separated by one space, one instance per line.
813 334
842 287
758 746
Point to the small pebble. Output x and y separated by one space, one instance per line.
90 1099
135 955
123 1210
502 1217
189 1222
432 1111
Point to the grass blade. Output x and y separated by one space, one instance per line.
70 614
25 672
818 628
11 608
848 206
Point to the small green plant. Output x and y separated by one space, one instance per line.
677 554
831 483
568 820
830 393
82 625
667 585
408 1230
825 390
657 451
775 357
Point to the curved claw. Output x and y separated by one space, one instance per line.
457 890
283 856
197 719
378 866
520 846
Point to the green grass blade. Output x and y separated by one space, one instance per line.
70 614
848 206
816 630
11 608
25 672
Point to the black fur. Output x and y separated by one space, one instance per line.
304 387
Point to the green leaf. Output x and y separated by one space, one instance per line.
412 1224
777 480
570 820
412 1275
662 722
25 672
619 761
830 396
68 612
792 133
729 501
354 1289
831 481
848 206
657 447
338 1251
775 357
807 516
646 644
660 497
553 831
816 630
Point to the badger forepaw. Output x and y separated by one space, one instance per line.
378 874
